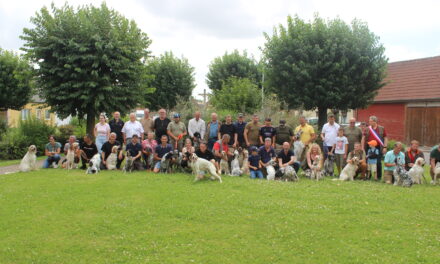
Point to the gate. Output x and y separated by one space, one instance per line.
423 124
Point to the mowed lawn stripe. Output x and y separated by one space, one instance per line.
59 216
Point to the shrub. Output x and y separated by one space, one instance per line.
3 127
36 132
79 128
391 144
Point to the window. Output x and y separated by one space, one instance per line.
47 114
25 114
38 113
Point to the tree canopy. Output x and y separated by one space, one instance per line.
324 64
232 65
238 95
173 80
15 81
90 60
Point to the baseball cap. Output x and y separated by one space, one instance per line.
282 121
176 115
240 115
268 119
372 143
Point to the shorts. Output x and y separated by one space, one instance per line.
157 165
339 160
388 176
372 167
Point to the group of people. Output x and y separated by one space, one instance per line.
148 140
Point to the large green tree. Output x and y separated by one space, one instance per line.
173 80
232 65
15 80
324 64
238 95
90 60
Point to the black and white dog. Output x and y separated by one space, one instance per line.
166 161
329 165
401 176
94 164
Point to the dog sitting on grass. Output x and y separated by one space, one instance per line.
349 171
28 163
70 156
436 173
94 164
112 158
417 172
129 163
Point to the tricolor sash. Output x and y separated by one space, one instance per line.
376 136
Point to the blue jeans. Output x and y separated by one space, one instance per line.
100 140
55 158
255 174
211 142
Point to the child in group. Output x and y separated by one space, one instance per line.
372 156
255 164
340 149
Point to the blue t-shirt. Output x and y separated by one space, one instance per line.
266 155
213 130
391 157
267 132
163 150
372 155
133 148
254 161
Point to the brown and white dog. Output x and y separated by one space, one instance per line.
70 156
315 172
436 173
28 163
349 171
224 165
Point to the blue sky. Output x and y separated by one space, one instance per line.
201 30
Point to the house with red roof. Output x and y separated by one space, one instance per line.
408 106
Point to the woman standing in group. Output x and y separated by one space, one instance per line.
102 132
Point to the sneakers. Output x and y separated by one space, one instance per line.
54 165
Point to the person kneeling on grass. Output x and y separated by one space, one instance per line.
391 160
255 164
135 150
52 151
286 157
161 150
88 149
107 150
360 154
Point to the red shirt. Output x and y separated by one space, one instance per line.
217 147
370 135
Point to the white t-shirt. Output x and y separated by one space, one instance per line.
103 130
340 145
330 133
131 128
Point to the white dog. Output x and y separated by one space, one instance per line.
270 170
94 164
436 173
70 156
349 171
112 159
224 166
29 160
200 166
235 166
417 172
298 145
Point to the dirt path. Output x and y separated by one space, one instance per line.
14 168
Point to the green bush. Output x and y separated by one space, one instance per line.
64 132
79 127
391 144
3 127
15 142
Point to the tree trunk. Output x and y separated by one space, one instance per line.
90 123
322 117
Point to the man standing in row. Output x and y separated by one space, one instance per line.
228 128
147 123
267 131
132 127
353 134
116 125
283 134
213 131
378 133
176 130
161 124
196 125
252 132
329 133
239 127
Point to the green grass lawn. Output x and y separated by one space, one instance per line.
4 163
56 216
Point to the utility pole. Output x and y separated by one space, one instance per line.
262 90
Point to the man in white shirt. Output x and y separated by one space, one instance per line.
196 125
131 128
329 133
